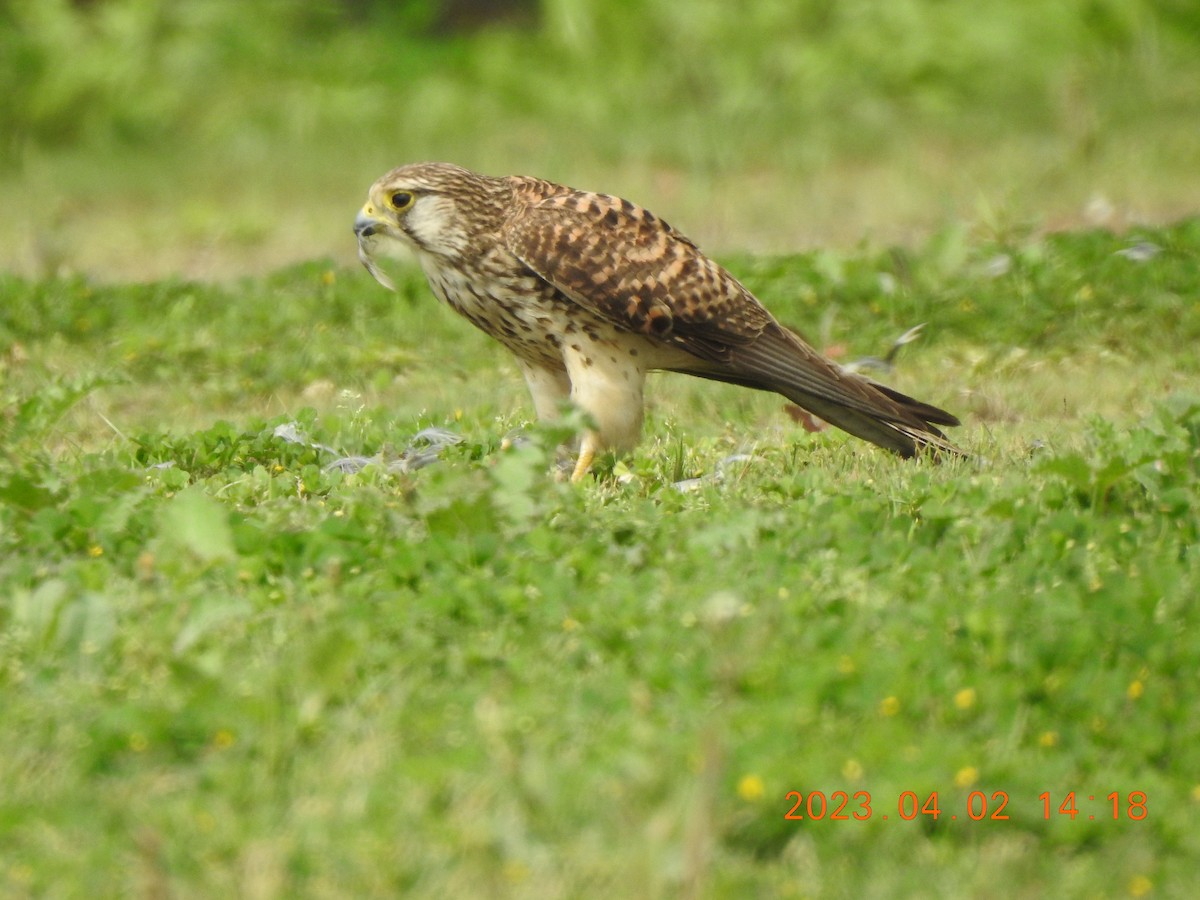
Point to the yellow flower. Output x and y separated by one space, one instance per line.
1135 689
889 707
751 788
965 698
1196 793
328 277
223 738
852 770
95 550
515 871
1140 886
1048 739
966 776
569 624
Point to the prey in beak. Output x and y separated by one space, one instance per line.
367 228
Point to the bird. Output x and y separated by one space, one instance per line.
590 292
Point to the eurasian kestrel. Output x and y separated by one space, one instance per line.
590 292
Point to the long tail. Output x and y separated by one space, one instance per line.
781 361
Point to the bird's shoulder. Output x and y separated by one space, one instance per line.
628 264
550 204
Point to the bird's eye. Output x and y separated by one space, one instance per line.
401 200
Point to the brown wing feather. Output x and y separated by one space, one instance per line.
621 262
624 263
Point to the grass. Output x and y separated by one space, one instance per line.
142 139
228 669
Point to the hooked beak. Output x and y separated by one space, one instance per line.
365 223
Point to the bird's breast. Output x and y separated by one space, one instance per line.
519 310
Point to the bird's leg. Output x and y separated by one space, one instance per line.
606 385
587 454
548 387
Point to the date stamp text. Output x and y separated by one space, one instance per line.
843 806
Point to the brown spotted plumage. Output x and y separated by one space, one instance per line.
590 292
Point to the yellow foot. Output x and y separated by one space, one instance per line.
583 464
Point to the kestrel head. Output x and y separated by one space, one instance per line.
432 208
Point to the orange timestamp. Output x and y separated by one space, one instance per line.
842 806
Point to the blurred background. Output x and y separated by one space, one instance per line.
211 138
